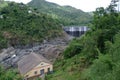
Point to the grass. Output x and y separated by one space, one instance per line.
66 69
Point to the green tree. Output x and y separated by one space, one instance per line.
24 27
73 49
9 74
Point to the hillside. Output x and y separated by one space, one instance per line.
2 4
95 55
20 25
67 14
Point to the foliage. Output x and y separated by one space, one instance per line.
67 15
100 69
9 74
99 58
2 4
106 66
73 49
22 25
66 69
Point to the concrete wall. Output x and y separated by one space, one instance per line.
76 31
37 69
76 28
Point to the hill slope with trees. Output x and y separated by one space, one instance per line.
21 25
2 4
67 14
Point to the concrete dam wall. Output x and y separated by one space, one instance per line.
75 31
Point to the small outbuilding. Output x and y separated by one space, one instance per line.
34 65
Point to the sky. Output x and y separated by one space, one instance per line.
85 5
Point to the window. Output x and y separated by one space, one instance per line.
42 71
35 72
48 70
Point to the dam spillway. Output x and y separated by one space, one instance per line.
75 31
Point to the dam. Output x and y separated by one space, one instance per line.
75 31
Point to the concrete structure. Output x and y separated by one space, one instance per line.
33 66
75 31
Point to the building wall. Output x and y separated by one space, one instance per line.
37 69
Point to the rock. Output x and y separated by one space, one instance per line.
49 49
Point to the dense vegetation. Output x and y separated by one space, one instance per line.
2 4
20 25
9 74
66 14
96 55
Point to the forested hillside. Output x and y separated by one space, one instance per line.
20 25
2 4
96 55
67 14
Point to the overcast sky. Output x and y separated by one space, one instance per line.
85 5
